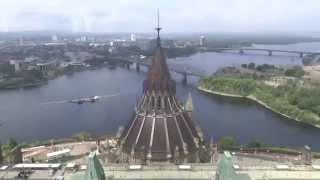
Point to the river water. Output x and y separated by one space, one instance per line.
37 114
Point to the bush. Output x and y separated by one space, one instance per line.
265 67
283 150
251 65
254 144
295 71
292 99
81 136
226 143
244 66
12 143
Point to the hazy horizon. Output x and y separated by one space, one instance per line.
177 16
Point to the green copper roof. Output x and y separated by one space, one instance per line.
226 171
94 169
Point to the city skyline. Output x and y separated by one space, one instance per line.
176 16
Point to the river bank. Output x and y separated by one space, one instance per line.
254 99
24 85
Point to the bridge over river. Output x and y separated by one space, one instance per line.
269 51
183 70
189 71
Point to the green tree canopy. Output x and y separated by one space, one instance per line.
81 136
226 142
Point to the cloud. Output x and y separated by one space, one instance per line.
176 15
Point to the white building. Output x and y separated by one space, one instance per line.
202 41
54 38
16 65
83 38
133 37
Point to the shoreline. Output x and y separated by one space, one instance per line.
254 99
25 85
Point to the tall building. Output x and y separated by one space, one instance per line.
54 38
133 37
83 38
160 129
15 64
203 42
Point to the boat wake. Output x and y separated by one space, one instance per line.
82 100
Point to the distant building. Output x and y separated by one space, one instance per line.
83 38
15 64
119 43
167 43
45 67
133 37
54 38
203 42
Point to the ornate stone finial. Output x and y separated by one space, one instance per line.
149 155
185 148
196 142
189 104
176 154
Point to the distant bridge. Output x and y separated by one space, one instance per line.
185 72
269 51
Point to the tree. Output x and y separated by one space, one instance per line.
12 143
265 67
295 71
81 136
226 142
244 65
7 68
252 65
254 144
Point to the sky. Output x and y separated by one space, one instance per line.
175 15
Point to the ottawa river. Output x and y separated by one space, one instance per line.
25 115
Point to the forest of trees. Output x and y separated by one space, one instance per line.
293 99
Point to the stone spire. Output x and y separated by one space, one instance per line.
158 29
158 77
189 104
94 169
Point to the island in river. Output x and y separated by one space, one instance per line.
291 97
